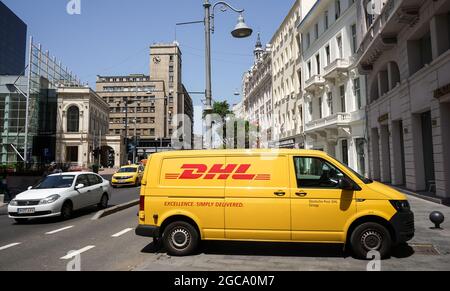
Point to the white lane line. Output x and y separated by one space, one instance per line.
76 253
59 230
9 246
122 232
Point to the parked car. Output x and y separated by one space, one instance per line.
60 195
128 176
263 195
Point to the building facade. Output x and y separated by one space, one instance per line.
147 105
406 56
13 39
286 82
257 93
82 136
333 91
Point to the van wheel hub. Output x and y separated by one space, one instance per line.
180 238
371 240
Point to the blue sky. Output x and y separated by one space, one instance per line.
113 37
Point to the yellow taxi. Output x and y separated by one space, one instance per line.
128 176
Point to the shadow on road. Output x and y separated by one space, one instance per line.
277 249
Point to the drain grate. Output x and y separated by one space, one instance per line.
426 250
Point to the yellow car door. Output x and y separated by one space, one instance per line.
320 209
257 204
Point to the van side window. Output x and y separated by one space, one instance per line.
316 173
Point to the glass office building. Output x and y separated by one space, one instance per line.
13 38
44 75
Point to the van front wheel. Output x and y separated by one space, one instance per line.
180 239
371 237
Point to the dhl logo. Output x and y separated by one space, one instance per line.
218 171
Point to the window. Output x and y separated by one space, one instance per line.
345 152
342 94
308 40
316 173
338 9
309 70
357 92
327 21
320 108
73 119
354 38
328 54
339 46
82 179
316 30
330 102
318 64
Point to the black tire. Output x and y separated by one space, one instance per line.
180 239
21 220
66 210
368 237
103 204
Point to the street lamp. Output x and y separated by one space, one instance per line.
240 31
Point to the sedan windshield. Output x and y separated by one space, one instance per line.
54 182
128 170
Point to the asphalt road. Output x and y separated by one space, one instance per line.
40 244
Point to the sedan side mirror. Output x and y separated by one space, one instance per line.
346 184
79 186
31 187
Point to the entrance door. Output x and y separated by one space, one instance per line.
320 210
428 153
72 154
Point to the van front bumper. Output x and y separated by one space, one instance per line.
147 231
403 224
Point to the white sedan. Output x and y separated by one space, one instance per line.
60 195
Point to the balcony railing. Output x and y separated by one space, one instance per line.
314 83
329 122
336 68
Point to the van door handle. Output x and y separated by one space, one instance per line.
301 194
280 193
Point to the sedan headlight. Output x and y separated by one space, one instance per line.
49 199
13 203
401 205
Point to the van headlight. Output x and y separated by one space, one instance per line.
401 205
49 199
13 203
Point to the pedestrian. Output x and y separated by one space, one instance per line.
4 189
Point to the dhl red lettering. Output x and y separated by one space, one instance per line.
224 170
193 172
240 174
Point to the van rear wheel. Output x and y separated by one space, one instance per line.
180 239
371 237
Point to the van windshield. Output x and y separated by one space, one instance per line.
361 177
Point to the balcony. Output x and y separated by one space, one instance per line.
314 83
330 122
337 70
382 34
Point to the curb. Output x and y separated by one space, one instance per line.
423 197
114 209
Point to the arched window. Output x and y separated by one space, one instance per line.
73 119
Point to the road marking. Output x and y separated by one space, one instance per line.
59 230
122 232
76 253
9 246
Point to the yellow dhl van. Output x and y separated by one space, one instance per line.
268 195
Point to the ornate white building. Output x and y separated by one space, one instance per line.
406 56
334 93
82 137
286 79
257 92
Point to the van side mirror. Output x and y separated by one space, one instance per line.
346 184
79 186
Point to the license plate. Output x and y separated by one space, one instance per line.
26 211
